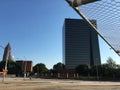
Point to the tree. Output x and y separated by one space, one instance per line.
40 68
111 63
59 66
82 69
101 70
12 67
2 65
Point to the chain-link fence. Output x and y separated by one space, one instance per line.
107 15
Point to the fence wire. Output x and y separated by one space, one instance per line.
107 15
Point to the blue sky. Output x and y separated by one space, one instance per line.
34 30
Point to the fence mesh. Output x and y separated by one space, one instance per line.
107 15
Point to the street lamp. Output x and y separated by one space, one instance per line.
25 67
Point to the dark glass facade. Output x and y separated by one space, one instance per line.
7 53
80 44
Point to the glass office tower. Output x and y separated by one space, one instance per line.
80 44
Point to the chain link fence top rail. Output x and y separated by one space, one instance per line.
107 15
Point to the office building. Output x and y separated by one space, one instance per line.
25 66
80 44
7 53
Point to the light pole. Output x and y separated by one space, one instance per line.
5 68
25 67
25 64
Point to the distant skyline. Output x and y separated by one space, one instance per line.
34 30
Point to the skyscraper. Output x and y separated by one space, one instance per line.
80 44
7 53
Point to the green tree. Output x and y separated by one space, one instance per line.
2 65
111 63
12 67
59 66
82 69
40 68
102 70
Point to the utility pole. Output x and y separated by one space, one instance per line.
25 67
5 70
25 64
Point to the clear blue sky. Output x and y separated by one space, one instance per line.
34 30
